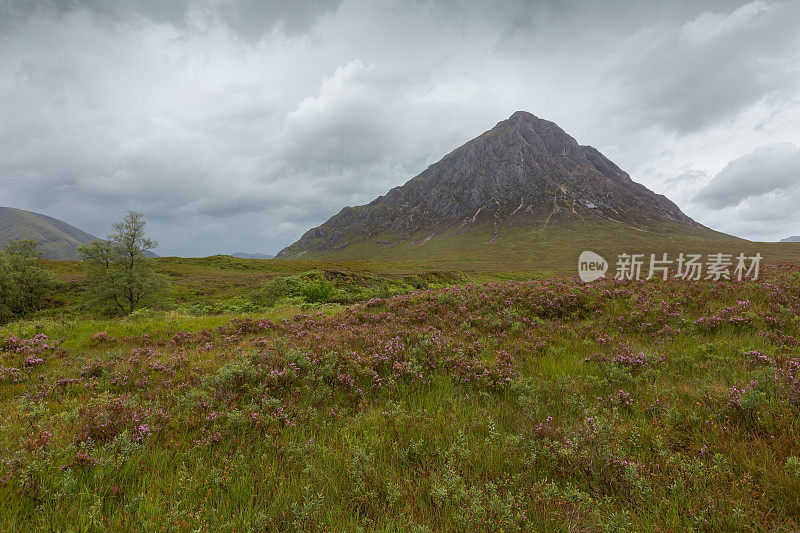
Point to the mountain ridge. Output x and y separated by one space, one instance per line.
248 255
57 239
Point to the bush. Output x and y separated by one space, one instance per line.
24 284
271 293
312 287
318 292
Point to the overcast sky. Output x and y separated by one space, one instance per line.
238 125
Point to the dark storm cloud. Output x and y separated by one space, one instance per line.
240 124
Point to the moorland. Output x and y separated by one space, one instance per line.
286 395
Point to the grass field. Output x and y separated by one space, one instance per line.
224 284
549 249
406 398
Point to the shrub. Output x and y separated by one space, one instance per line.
24 284
271 293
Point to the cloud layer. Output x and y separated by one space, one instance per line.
771 169
238 125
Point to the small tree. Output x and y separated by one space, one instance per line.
24 284
99 253
121 273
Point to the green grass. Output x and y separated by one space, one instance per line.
225 285
506 406
552 249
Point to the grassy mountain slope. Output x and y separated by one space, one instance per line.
552 248
57 239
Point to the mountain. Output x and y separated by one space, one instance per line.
245 255
523 182
796 238
57 239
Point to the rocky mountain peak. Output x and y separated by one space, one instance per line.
526 171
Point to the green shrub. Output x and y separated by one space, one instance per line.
271 293
311 286
318 292
24 284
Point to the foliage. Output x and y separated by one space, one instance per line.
24 284
271 292
121 274
335 286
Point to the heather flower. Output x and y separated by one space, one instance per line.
10 375
92 370
787 374
630 360
82 460
102 337
39 441
141 432
32 360
620 398
756 358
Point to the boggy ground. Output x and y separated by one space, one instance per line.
509 406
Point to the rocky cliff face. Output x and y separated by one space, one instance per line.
524 171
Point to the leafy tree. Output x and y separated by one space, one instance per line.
99 253
24 284
121 273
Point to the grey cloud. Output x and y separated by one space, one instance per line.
17 12
253 18
250 19
770 217
768 169
690 75
239 124
688 175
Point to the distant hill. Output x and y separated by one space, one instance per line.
523 190
56 238
795 238
245 255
